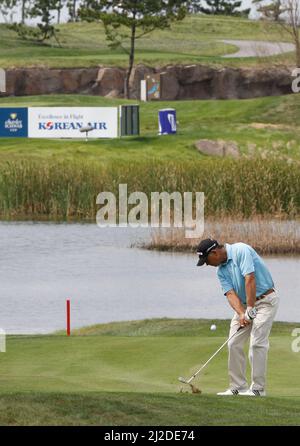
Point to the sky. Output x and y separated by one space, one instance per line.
15 14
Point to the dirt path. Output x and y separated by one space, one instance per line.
253 48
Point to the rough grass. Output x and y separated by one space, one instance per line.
126 374
194 40
131 409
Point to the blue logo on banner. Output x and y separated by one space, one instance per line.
14 122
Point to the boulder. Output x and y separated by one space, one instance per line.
225 83
34 81
113 94
255 82
109 79
170 88
251 148
81 81
218 148
178 81
230 148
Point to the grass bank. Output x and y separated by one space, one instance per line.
197 39
125 373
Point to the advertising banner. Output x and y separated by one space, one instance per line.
13 122
167 121
66 122
153 86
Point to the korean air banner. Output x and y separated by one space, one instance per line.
66 122
59 122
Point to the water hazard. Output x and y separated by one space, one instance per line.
43 264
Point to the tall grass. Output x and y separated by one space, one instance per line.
267 236
239 188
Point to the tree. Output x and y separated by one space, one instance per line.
287 14
125 21
194 6
45 29
291 23
24 10
43 9
271 11
6 7
59 8
224 7
72 8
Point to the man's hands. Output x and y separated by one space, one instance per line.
247 317
237 306
243 321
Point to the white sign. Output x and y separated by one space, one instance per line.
66 122
144 90
2 341
2 81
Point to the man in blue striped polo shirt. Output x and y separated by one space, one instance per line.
249 288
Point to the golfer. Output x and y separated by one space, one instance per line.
249 288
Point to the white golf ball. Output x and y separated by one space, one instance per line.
213 327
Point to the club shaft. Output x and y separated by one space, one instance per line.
207 362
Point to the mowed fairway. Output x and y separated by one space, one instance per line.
126 374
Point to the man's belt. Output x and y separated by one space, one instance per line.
270 291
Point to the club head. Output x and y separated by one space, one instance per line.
182 380
193 388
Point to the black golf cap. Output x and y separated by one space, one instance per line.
204 248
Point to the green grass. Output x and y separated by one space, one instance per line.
132 409
229 120
194 40
126 374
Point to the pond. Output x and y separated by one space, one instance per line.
106 279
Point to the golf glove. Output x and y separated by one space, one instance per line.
250 313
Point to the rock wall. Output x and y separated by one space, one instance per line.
178 82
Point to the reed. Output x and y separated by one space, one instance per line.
67 190
266 236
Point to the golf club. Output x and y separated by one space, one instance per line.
188 381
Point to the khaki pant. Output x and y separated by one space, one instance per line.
258 331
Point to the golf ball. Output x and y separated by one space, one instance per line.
213 327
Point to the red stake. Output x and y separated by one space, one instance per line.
68 317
